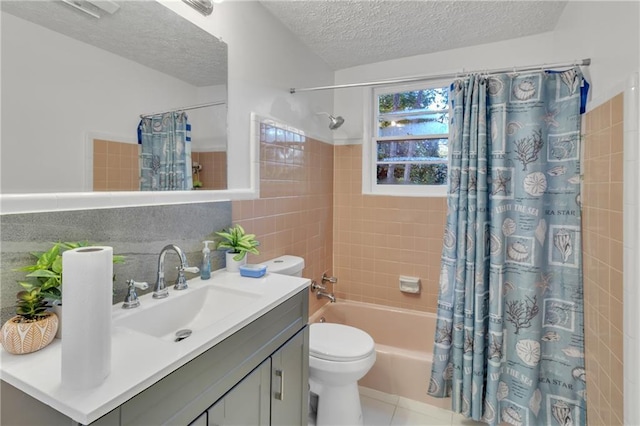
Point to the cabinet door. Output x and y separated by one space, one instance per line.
247 403
290 381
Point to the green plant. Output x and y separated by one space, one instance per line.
237 241
30 305
197 184
46 274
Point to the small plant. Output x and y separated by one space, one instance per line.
236 241
46 274
31 305
197 184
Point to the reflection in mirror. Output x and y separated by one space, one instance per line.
74 88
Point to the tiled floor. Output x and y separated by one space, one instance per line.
381 409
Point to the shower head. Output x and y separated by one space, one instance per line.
334 122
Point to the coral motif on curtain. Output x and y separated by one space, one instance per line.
165 158
509 343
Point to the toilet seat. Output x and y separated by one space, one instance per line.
338 342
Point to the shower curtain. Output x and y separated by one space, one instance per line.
166 153
509 343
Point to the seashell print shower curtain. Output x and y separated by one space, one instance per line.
165 159
509 343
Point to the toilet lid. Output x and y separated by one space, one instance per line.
338 342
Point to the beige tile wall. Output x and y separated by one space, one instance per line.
294 214
602 257
379 238
213 174
115 166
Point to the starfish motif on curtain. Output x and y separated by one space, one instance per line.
500 183
550 118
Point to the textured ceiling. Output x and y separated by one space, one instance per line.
142 31
347 33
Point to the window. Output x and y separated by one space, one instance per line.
408 153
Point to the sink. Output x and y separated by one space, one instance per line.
191 309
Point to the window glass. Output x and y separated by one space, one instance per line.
411 138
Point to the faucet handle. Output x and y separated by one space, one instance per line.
317 287
131 299
326 278
181 281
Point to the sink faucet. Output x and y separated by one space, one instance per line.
321 291
160 291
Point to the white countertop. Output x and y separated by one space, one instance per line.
139 360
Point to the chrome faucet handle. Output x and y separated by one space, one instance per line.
131 299
326 278
317 287
181 281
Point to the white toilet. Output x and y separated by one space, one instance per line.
285 265
339 356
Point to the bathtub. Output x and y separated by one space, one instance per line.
404 341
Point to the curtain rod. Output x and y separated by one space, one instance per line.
185 108
584 62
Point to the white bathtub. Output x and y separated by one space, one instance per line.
404 341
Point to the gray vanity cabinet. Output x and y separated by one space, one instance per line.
289 381
275 393
256 376
247 403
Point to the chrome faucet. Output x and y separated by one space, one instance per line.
321 291
160 291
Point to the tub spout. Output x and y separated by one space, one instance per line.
329 296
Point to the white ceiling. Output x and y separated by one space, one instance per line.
166 42
347 33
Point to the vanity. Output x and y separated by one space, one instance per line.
245 361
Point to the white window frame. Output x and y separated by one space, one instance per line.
370 184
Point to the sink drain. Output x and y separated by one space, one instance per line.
182 334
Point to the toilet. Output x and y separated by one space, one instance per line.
285 265
339 356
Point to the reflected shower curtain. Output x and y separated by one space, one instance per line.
509 343
166 153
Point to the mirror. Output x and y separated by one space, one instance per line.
74 87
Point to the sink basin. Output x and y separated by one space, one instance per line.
193 310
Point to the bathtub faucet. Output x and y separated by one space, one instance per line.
321 292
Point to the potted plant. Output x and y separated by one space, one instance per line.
46 273
238 244
32 328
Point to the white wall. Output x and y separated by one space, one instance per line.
607 32
56 90
265 60
210 123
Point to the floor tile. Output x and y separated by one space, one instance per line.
405 417
380 396
429 410
376 412
460 420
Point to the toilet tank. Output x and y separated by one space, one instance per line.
286 265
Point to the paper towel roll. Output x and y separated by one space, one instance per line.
87 287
